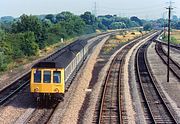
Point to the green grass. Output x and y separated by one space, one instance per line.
175 37
173 40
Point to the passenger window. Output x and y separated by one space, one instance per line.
57 77
47 77
37 76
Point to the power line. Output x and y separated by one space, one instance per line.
141 11
134 8
131 10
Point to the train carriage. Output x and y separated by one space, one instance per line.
49 77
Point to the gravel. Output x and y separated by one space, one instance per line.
88 115
71 114
174 53
15 108
139 115
22 103
127 88
11 76
171 89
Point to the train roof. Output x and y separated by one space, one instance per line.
63 57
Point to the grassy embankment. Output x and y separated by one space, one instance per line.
175 37
19 63
120 38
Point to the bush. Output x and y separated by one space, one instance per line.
28 44
172 39
3 62
147 27
133 33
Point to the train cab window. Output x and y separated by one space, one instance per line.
57 77
37 76
47 77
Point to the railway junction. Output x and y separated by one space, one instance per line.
127 84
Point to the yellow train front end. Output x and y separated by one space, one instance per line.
47 81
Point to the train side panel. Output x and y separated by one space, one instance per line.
67 68
75 64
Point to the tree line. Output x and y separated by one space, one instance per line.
26 35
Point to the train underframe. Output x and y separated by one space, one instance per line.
41 97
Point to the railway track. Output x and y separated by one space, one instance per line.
174 66
111 108
171 45
11 90
45 110
42 113
155 106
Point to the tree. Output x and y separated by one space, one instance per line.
47 23
7 19
3 63
117 25
64 16
93 21
101 26
147 27
174 18
178 25
89 19
108 16
28 44
32 23
73 26
134 24
4 51
2 35
51 17
27 23
137 20
127 21
78 25
161 22
89 29
107 22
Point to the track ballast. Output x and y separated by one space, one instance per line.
156 107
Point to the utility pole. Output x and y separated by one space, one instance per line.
164 25
169 28
164 29
95 9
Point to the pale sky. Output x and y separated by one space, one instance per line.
147 9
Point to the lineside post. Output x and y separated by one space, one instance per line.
169 28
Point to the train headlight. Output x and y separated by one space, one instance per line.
36 89
56 90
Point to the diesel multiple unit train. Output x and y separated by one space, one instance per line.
49 76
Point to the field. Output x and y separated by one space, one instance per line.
176 35
121 38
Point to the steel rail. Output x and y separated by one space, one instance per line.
12 89
150 90
174 66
